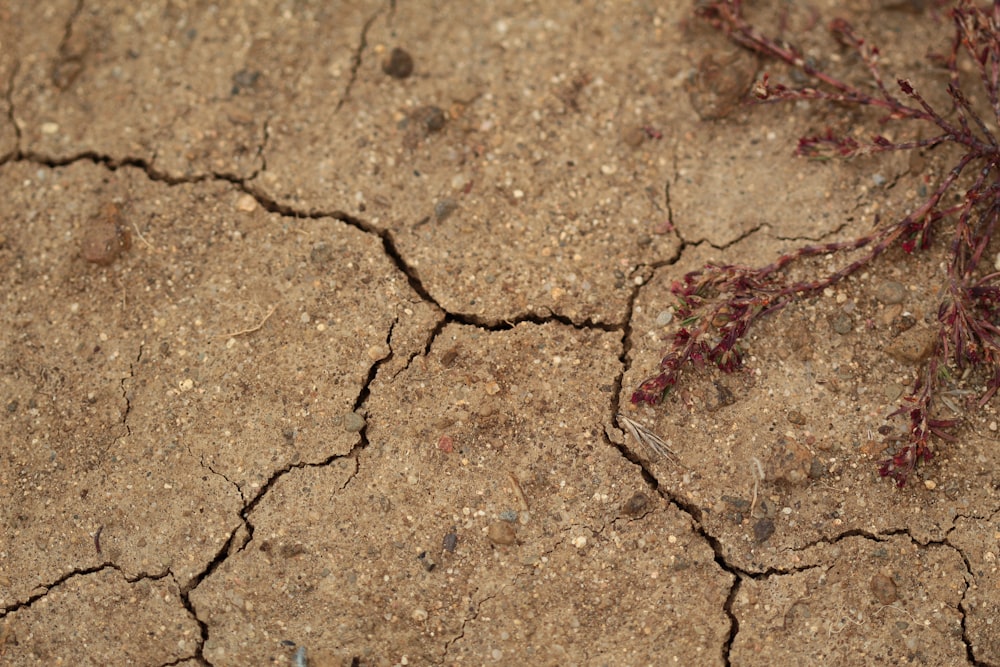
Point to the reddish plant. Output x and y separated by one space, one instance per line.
718 304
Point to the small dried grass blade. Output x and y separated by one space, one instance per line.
646 437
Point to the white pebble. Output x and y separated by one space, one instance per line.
246 203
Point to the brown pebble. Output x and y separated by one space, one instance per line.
721 82
913 345
502 532
398 64
789 462
106 236
634 136
884 589
872 447
449 357
796 417
636 505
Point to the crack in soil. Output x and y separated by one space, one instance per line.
126 397
79 572
357 58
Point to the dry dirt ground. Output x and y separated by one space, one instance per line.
307 358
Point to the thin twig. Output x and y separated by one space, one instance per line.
251 329
143 238
758 477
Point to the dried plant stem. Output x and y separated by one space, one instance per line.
252 329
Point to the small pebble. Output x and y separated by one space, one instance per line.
353 422
664 318
431 118
502 532
763 530
842 323
450 542
636 505
889 292
634 136
398 64
106 236
883 588
246 203
444 208
789 462
378 352
872 447
721 81
930 484
913 345
817 469
796 417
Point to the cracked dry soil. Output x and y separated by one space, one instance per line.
305 359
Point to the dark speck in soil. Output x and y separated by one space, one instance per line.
398 64
244 79
636 505
431 118
763 530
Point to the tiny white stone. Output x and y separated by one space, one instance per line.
246 203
